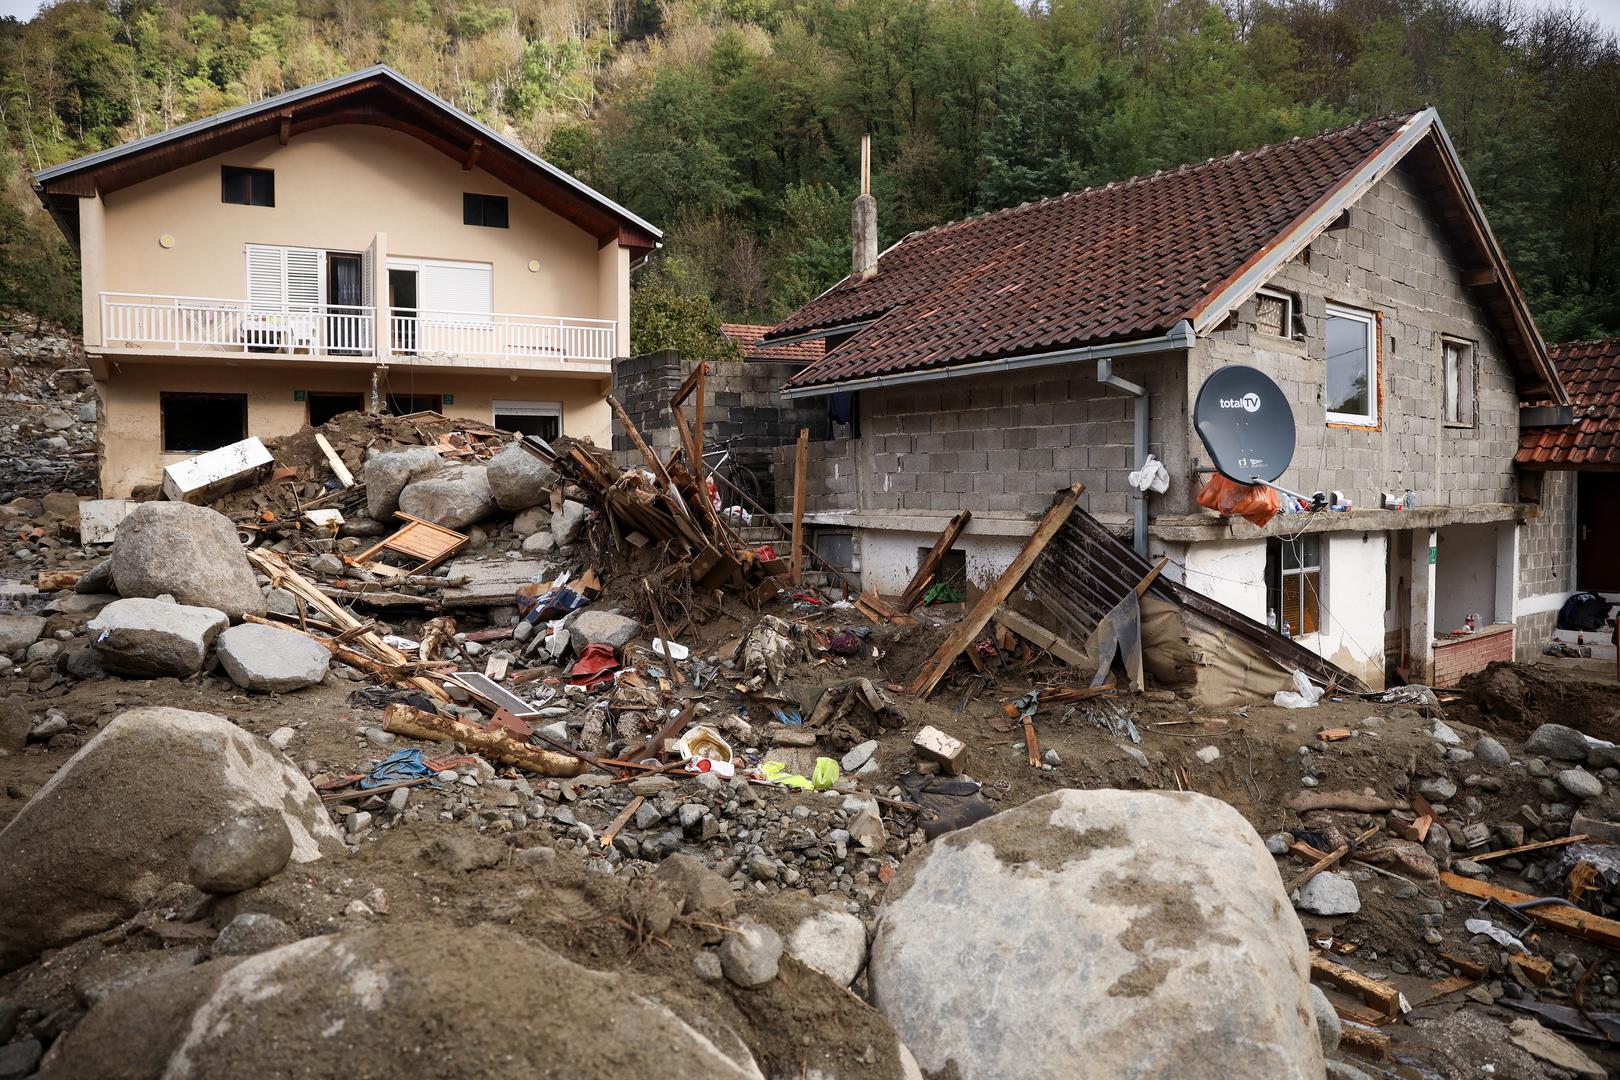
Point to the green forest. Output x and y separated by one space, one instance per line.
735 124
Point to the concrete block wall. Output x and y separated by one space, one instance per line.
743 409
1546 564
830 475
1393 258
1004 443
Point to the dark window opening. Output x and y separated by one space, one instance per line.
247 187
546 427
322 407
952 569
405 404
486 210
196 423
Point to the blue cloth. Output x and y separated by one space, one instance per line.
396 767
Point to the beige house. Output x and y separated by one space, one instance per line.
355 243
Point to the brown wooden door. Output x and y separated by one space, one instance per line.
1597 532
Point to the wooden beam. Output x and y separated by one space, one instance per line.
1574 921
974 621
497 744
1486 276
1380 995
1318 866
474 152
619 822
1040 637
284 128
339 470
928 569
801 463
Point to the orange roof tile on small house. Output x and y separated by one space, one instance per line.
1143 265
1591 373
749 338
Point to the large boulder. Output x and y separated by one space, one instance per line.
269 659
602 628
188 552
1117 934
519 479
17 632
386 475
568 524
154 638
399 993
119 820
455 499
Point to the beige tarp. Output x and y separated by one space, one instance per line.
1185 650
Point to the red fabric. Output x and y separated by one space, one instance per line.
595 665
766 552
1252 502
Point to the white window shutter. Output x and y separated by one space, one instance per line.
366 263
462 290
266 284
304 266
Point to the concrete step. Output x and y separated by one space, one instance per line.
1596 640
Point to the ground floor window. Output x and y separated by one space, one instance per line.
1294 585
541 418
322 406
196 423
405 404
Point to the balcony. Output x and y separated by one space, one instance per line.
134 323
517 340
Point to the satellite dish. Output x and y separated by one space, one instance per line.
1245 423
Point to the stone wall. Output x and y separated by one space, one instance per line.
1393 257
743 409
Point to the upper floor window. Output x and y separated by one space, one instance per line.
1274 313
487 210
1351 390
248 187
1458 372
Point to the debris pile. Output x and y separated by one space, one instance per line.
48 413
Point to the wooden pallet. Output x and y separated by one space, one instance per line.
418 539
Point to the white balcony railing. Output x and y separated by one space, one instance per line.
208 324
426 332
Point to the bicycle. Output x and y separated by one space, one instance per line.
734 478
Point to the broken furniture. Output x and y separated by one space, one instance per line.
422 540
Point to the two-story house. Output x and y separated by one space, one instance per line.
989 362
357 243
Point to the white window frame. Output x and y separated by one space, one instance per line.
1310 596
527 408
1288 312
1369 319
1450 394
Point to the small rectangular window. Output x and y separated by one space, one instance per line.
1274 313
1350 388
406 404
247 187
486 210
322 407
1458 371
1294 585
197 423
541 418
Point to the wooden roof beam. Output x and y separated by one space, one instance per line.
474 152
284 128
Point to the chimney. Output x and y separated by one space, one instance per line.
863 222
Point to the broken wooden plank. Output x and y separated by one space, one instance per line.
975 620
52 580
1368 1045
928 569
1534 968
1380 995
339 470
1465 964
801 464
1334 734
1537 846
619 822
1042 638
1574 921
1318 866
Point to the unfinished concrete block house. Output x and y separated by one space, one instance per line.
997 359
354 241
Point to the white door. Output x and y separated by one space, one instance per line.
454 305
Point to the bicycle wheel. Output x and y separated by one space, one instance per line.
746 487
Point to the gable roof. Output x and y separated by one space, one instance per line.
376 95
1591 372
1148 262
749 336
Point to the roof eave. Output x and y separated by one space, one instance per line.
292 97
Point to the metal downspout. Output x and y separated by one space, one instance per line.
1106 376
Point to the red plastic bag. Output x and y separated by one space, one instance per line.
1254 503
595 665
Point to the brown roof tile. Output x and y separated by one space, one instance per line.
1591 374
749 335
1107 264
